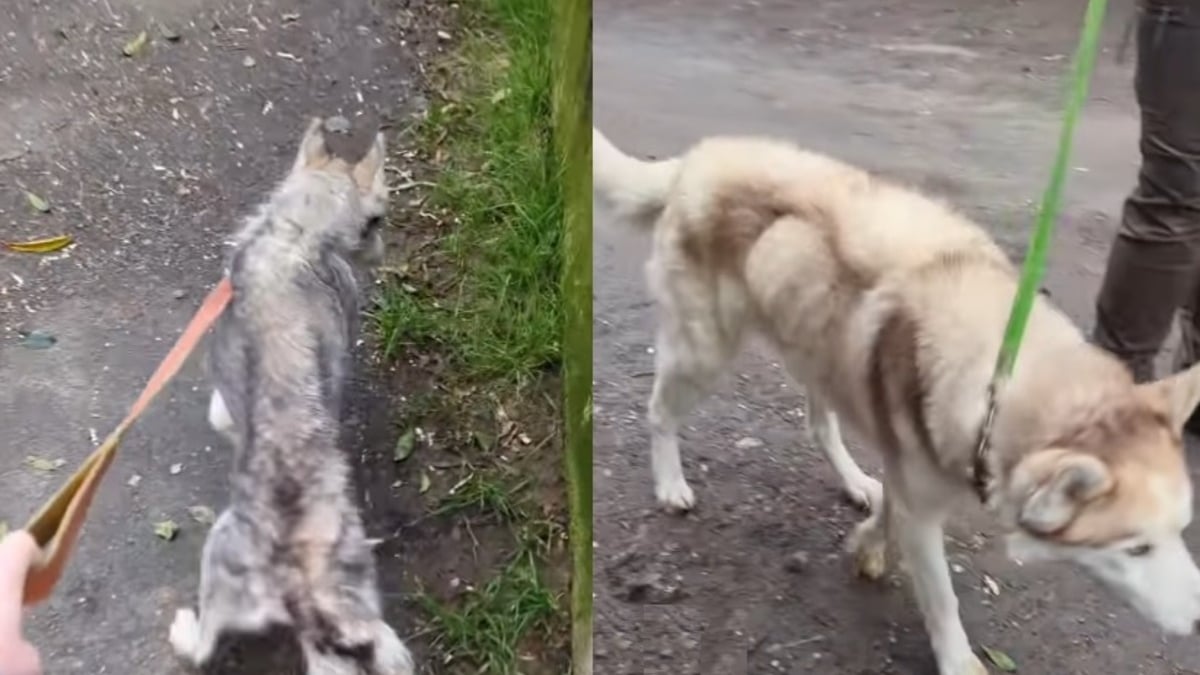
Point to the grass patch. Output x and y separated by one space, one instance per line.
480 298
499 313
487 624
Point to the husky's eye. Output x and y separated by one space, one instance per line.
1139 551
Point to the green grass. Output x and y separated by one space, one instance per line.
484 292
500 316
481 491
488 624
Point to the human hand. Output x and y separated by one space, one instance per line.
18 550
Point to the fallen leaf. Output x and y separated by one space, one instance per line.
37 202
166 530
42 464
135 45
405 446
1001 660
46 245
425 483
202 514
37 339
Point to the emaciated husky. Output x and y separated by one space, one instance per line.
889 308
290 549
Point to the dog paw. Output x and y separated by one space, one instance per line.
870 563
865 493
675 496
185 634
869 549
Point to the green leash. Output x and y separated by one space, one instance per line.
1035 260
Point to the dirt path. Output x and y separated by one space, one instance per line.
961 103
150 162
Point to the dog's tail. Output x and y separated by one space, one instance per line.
636 189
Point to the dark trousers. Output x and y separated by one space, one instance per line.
1154 266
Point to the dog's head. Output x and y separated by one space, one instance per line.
348 202
1115 498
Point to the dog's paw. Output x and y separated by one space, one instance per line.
675 496
870 562
865 493
869 548
185 634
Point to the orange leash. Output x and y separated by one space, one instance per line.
56 525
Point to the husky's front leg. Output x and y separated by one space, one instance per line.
920 539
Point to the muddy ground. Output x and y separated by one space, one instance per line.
149 162
961 99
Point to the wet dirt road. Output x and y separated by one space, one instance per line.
962 103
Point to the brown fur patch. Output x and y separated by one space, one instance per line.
896 384
741 212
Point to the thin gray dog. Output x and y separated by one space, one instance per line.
290 548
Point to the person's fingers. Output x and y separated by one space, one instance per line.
18 550
20 658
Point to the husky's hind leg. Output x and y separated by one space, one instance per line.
234 597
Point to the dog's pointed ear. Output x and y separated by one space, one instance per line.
368 173
1054 484
313 150
1181 392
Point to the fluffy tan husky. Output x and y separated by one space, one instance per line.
889 307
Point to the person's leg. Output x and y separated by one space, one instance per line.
1152 268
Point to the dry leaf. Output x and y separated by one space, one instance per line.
405 446
202 514
42 464
135 45
425 483
47 245
37 202
166 530
1001 660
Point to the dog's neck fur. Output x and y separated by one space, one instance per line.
1085 383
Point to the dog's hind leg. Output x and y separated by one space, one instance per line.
391 655
689 359
232 598
825 431
325 662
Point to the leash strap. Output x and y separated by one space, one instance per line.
1035 260
56 525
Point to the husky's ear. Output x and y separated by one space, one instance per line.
1053 485
1181 392
368 173
312 150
